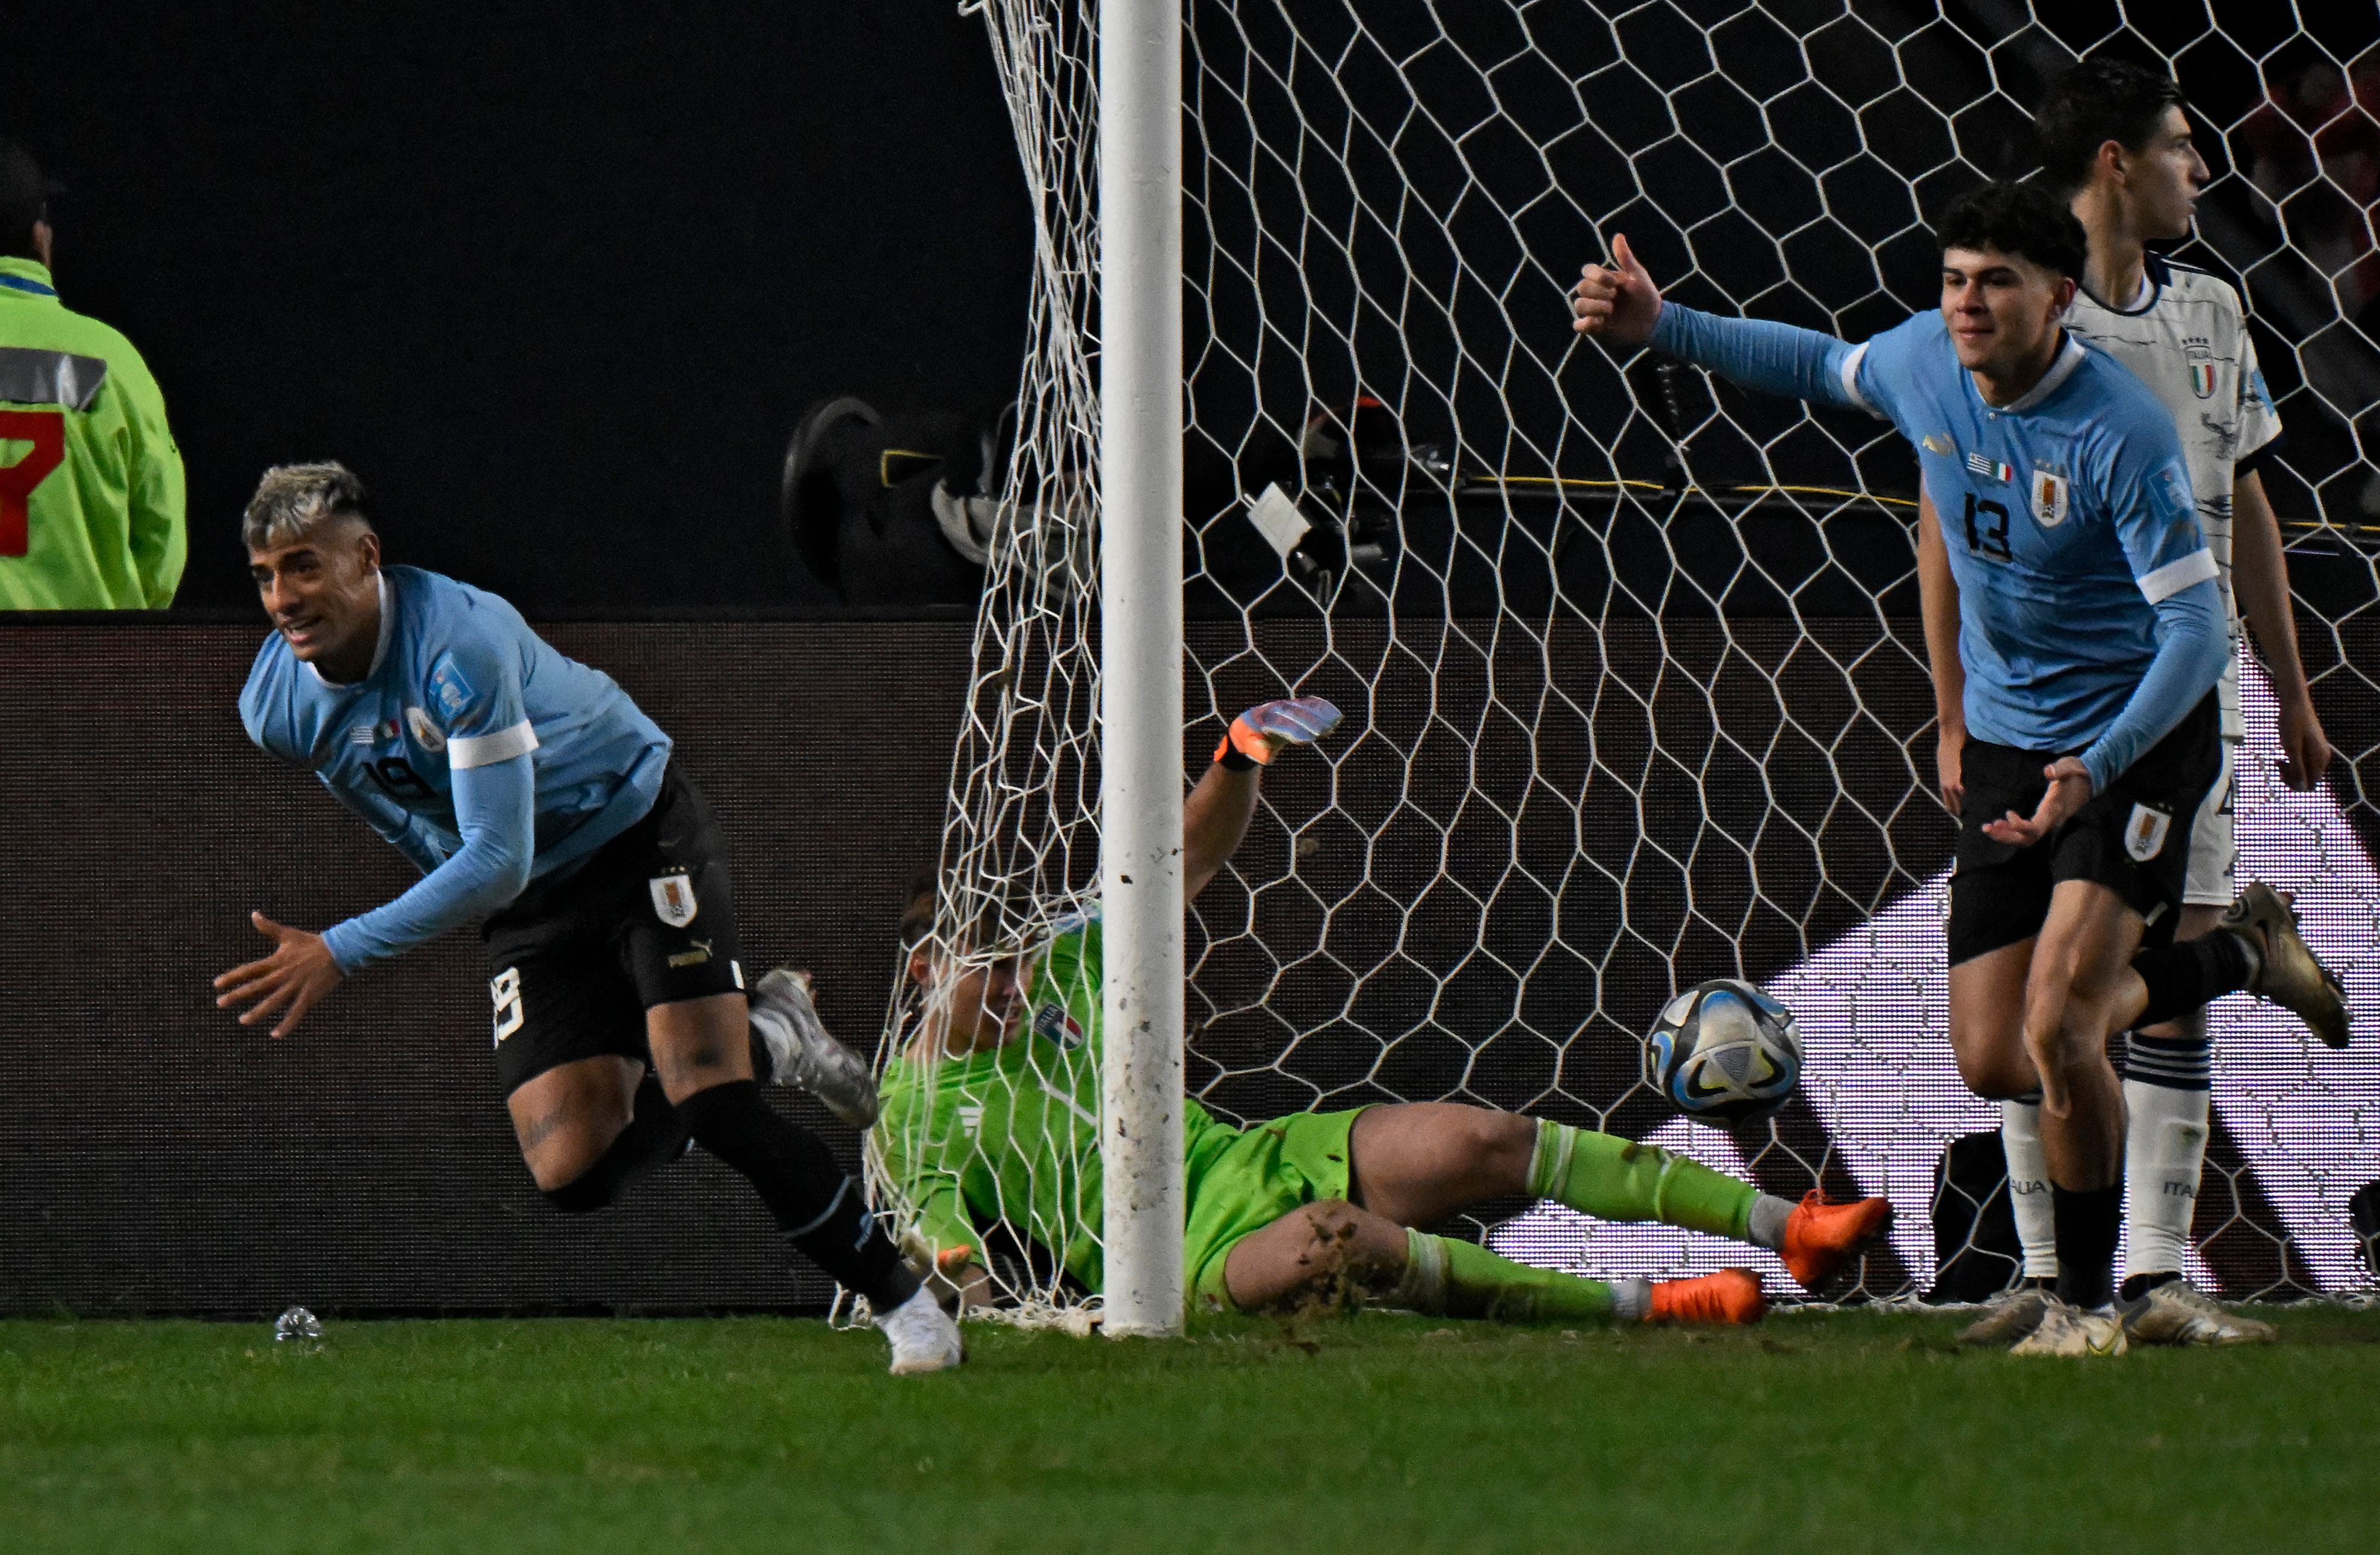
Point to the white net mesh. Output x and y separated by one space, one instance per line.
1635 686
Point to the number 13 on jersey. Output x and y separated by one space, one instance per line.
1988 527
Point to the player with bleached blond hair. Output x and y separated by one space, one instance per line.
540 803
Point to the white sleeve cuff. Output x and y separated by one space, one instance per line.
1850 380
2174 576
480 750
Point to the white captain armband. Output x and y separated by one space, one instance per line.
2174 576
480 750
1850 371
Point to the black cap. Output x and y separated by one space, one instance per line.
24 192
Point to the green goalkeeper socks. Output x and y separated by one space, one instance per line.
1457 1279
1615 1178
1610 1178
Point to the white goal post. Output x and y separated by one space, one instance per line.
1145 988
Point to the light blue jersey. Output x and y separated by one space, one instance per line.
2090 622
486 757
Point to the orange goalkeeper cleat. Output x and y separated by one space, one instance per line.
1733 1295
1821 1237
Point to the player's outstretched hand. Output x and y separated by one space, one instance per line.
292 979
2069 790
1262 732
2305 749
1620 305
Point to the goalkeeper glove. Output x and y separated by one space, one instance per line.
1257 734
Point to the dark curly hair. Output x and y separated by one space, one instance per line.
2098 101
2019 219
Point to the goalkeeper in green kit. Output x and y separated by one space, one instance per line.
990 1114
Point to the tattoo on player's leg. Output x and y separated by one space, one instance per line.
538 1130
693 1061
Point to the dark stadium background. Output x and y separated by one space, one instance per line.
559 281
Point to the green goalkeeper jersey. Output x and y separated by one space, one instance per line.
91 483
1012 1133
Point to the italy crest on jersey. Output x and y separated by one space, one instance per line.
2202 369
1052 1022
2049 495
674 901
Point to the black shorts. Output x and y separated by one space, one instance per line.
648 919
2134 839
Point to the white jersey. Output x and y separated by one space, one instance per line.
2186 337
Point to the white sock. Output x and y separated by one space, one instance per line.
2165 1145
2028 1181
1422 1287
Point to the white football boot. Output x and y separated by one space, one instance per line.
803 1053
922 1335
2007 1317
2180 1313
2069 1331
2287 972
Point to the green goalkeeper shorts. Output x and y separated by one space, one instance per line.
1239 1182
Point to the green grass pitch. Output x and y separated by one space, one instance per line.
1836 1432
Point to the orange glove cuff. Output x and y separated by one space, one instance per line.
1246 741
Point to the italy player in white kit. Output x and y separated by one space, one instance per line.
2093 632
539 801
2116 142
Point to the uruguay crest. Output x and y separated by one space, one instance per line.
2049 493
674 901
2145 833
425 733
2202 370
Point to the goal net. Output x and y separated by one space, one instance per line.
1635 687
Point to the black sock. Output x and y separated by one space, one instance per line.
2191 975
2140 1285
2088 1222
818 1206
656 1133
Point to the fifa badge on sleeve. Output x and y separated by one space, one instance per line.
674 901
2049 492
450 688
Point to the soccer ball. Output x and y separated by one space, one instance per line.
1724 1052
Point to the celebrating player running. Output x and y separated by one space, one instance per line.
991 1115
2092 636
2117 144
533 793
